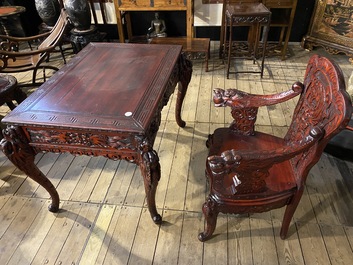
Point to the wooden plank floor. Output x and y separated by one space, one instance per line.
104 219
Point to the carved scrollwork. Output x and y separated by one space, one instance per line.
244 120
150 162
249 19
9 45
15 146
195 55
231 178
322 104
82 139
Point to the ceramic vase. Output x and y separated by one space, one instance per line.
48 11
79 13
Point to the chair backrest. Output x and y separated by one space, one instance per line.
325 104
57 31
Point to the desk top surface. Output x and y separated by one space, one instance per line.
107 86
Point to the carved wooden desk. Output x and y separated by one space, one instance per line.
106 102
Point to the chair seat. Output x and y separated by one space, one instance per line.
21 62
281 177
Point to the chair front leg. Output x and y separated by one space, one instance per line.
210 212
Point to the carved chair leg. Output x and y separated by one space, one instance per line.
210 212
289 212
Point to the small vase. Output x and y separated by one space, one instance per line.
48 11
79 13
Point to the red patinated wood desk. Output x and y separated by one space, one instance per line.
106 101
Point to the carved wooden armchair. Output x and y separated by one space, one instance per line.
13 60
250 171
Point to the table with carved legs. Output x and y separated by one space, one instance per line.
106 101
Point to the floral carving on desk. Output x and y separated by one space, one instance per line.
81 139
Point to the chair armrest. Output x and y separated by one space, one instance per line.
252 166
23 39
239 99
10 43
245 106
13 54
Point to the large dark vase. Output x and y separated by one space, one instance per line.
79 13
48 11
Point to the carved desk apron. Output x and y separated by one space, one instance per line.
106 101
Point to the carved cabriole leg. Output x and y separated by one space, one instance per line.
151 172
210 212
16 147
185 72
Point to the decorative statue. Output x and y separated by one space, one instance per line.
158 28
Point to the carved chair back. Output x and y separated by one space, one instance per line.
324 105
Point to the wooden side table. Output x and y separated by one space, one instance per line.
194 48
254 15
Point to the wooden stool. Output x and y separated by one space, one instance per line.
254 15
10 91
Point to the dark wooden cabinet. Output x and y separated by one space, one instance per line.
331 27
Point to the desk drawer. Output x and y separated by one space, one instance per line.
146 4
134 4
169 3
278 3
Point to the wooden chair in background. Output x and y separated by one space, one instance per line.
251 171
13 60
